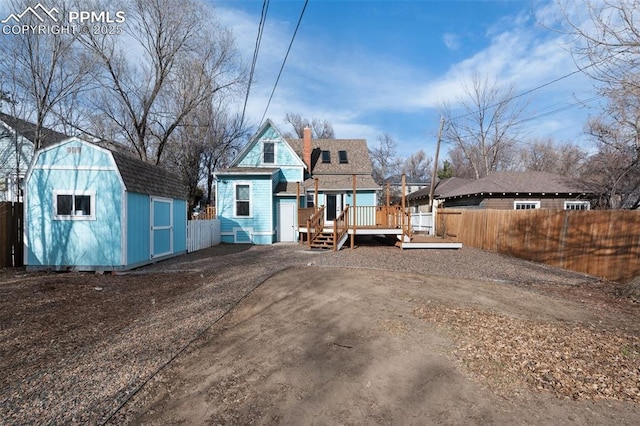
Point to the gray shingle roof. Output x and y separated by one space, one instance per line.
357 155
28 130
444 186
336 175
519 182
145 178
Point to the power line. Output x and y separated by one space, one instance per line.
263 18
285 60
530 90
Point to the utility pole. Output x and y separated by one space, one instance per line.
435 165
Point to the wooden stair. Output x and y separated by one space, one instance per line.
323 240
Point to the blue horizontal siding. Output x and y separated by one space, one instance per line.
259 226
62 243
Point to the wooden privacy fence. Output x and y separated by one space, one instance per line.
11 235
202 234
603 243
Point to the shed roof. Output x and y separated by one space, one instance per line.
145 178
27 130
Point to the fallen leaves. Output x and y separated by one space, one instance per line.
573 361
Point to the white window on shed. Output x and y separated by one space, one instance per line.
70 205
526 205
577 205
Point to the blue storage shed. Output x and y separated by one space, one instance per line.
89 208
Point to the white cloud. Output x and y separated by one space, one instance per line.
345 84
452 41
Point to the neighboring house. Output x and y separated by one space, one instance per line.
419 200
411 185
90 208
16 150
273 179
516 191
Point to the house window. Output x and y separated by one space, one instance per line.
243 200
326 156
526 205
74 205
577 205
342 156
269 153
310 199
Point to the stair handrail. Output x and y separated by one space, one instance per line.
340 226
315 225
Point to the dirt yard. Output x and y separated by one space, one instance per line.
279 335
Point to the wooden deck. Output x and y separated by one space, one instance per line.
363 220
429 242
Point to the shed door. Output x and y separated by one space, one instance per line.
161 227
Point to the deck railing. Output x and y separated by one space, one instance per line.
304 214
315 225
380 217
359 217
340 227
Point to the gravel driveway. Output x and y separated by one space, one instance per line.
75 348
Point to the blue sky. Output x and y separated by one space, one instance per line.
372 67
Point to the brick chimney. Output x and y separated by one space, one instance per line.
306 148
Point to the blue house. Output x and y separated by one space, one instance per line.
276 185
91 208
17 145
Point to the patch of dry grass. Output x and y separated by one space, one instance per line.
572 361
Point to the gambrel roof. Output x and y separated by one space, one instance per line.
145 178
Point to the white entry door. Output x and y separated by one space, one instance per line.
286 222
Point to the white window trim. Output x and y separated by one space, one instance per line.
516 203
275 152
91 194
243 183
577 202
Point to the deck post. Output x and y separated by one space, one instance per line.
353 234
388 195
315 199
298 209
402 213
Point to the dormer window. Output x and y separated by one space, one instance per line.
269 150
326 156
342 155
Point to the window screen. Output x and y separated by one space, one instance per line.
326 156
342 155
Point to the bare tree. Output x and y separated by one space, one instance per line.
607 35
418 167
182 58
46 69
615 168
224 137
320 129
384 158
547 156
486 129
460 166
